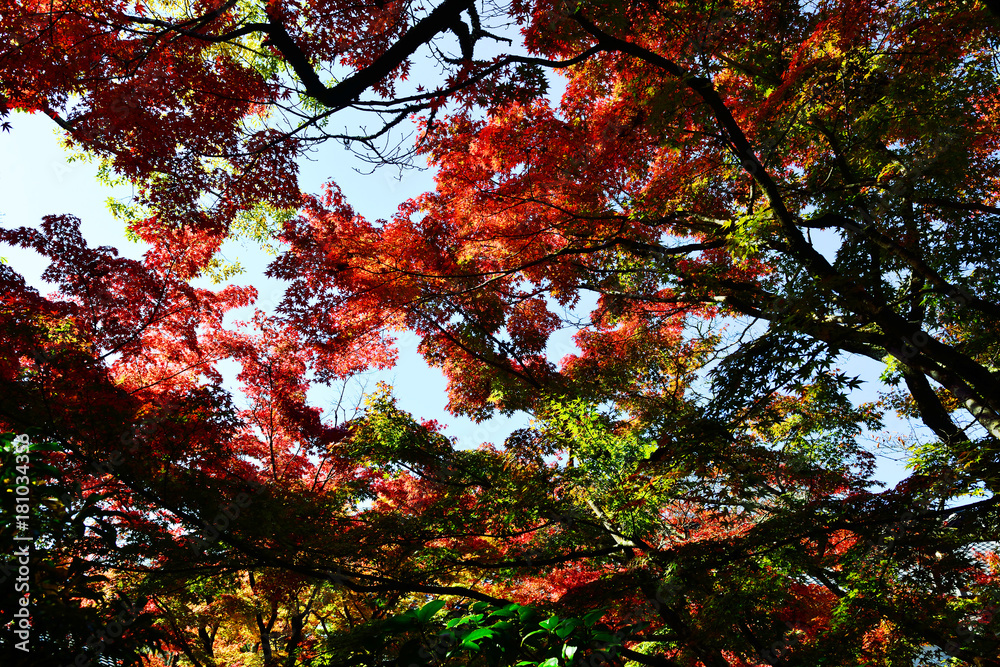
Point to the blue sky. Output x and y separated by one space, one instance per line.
36 179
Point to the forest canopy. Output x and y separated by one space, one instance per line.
729 203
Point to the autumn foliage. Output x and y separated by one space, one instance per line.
730 205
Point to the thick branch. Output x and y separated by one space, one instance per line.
347 91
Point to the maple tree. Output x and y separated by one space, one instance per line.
832 178
753 191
